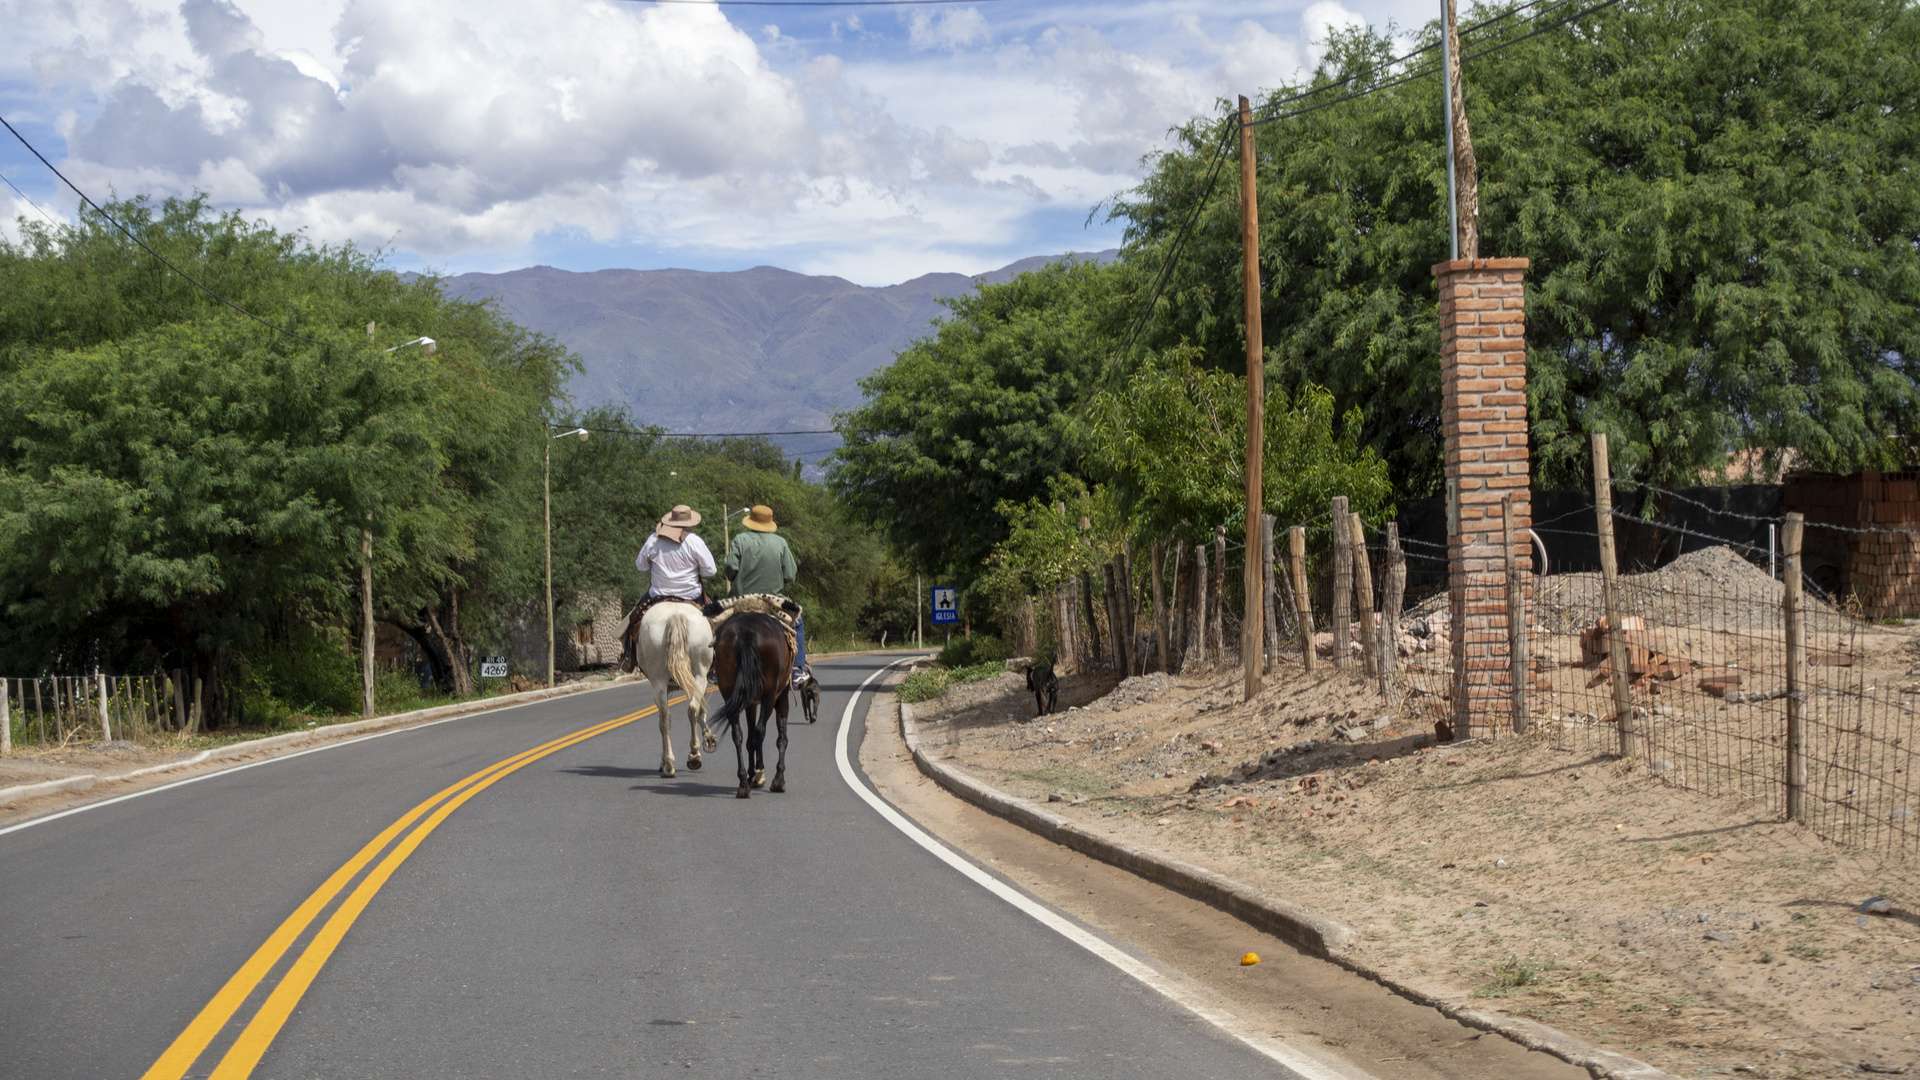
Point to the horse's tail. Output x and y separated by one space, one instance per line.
679 668
747 680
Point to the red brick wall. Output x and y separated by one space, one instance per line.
1483 372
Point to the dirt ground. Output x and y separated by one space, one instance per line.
1698 933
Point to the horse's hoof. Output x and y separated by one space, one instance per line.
667 770
712 742
779 786
743 793
759 778
693 763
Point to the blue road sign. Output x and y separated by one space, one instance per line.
946 606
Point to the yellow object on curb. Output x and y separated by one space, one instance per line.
1250 959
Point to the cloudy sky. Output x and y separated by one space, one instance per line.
874 142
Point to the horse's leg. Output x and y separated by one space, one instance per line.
662 692
740 757
701 661
759 742
780 717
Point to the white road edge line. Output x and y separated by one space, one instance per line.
271 761
1302 1065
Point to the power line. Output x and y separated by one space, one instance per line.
810 3
1424 72
1219 151
709 434
84 197
29 201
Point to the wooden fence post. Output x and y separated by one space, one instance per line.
1157 558
1269 596
1796 672
199 706
1516 618
1342 586
1609 577
1217 601
6 719
106 729
1303 600
1395 592
1363 595
1197 614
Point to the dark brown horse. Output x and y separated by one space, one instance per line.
753 667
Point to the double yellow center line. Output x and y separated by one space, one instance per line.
247 1049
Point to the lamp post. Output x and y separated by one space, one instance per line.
546 509
429 347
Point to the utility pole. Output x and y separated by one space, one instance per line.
366 617
1463 170
546 517
1252 633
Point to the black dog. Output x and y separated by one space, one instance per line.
1045 686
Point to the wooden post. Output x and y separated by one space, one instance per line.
366 619
1129 608
1363 595
1609 577
1182 599
1197 616
6 720
1342 586
1157 555
1303 600
199 706
1395 590
1269 609
1796 672
106 726
1516 618
39 713
1252 633
177 690
1217 607
1092 643
1111 581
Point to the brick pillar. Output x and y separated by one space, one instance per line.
1483 402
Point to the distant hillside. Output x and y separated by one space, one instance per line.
752 350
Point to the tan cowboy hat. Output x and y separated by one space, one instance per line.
675 524
760 519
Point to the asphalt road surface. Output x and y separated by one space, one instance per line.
439 902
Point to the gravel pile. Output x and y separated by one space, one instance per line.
1137 690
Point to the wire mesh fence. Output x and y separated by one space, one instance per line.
50 711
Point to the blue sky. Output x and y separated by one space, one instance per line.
876 143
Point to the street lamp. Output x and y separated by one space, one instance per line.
429 347
546 506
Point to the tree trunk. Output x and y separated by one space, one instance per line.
436 629
1217 602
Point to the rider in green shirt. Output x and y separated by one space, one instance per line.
759 561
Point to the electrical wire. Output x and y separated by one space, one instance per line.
1219 153
24 198
810 3
84 197
708 434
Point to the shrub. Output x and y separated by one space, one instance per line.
969 652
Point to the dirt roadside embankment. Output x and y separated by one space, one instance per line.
1696 933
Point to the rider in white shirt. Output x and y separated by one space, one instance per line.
675 559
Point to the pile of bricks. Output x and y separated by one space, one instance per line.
1881 568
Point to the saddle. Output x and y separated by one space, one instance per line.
782 609
630 637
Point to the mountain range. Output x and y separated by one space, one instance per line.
743 351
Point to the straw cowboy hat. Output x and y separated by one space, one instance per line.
675 524
760 519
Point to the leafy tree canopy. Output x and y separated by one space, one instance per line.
1719 198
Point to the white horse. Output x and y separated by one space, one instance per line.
676 649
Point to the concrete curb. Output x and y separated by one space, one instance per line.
86 781
1316 934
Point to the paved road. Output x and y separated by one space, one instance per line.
579 916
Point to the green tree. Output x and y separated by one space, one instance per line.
1720 201
984 409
